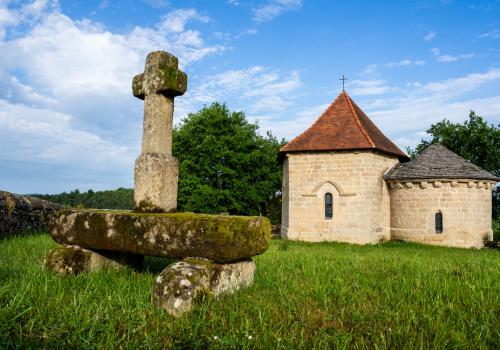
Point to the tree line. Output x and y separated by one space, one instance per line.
121 198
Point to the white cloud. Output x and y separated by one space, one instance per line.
256 89
25 14
449 58
407 115
157 4
293 124
405 63
251 31
458 86
65 90
369 87
429 36
370 72
494 34
175 21
63 141
70 57
274 8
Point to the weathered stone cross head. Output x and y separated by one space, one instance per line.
161 75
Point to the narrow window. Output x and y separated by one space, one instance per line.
438 222
328 206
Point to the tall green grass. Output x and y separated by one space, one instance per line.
327 295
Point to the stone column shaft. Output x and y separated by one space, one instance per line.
158 123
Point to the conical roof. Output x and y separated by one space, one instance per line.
343 126
438 162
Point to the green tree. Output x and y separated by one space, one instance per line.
473 140
226 166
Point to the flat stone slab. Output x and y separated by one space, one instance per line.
71 260
180 285
220 238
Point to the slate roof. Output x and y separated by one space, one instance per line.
343 126
438 162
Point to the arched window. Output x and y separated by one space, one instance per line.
328 206
438 222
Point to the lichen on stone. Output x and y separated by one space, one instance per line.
186 283
10 205
137 89
215 237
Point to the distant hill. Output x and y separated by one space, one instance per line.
121 198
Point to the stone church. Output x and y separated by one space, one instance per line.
344 180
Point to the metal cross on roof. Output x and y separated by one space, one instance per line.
343 81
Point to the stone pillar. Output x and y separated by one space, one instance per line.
156 170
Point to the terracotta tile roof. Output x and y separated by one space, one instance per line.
438 162
343 126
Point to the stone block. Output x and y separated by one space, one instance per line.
156 177
220 238
182 284
69 259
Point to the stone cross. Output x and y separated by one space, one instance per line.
156 170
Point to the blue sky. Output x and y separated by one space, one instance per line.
68 119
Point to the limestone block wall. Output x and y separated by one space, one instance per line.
361 203
465 206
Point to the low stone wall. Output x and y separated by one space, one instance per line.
23 214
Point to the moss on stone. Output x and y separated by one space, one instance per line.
220 238
66 260
146 206
174 81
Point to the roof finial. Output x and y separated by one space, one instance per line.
343 81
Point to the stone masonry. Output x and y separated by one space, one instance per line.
361 204
440 184
464 204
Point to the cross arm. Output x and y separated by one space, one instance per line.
166 80
137 88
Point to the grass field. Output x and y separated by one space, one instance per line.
325 295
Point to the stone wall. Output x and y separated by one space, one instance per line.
361 204
465 206
23 214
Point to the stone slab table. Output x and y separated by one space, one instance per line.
219 238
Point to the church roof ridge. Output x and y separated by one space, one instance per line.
342 126
438 162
